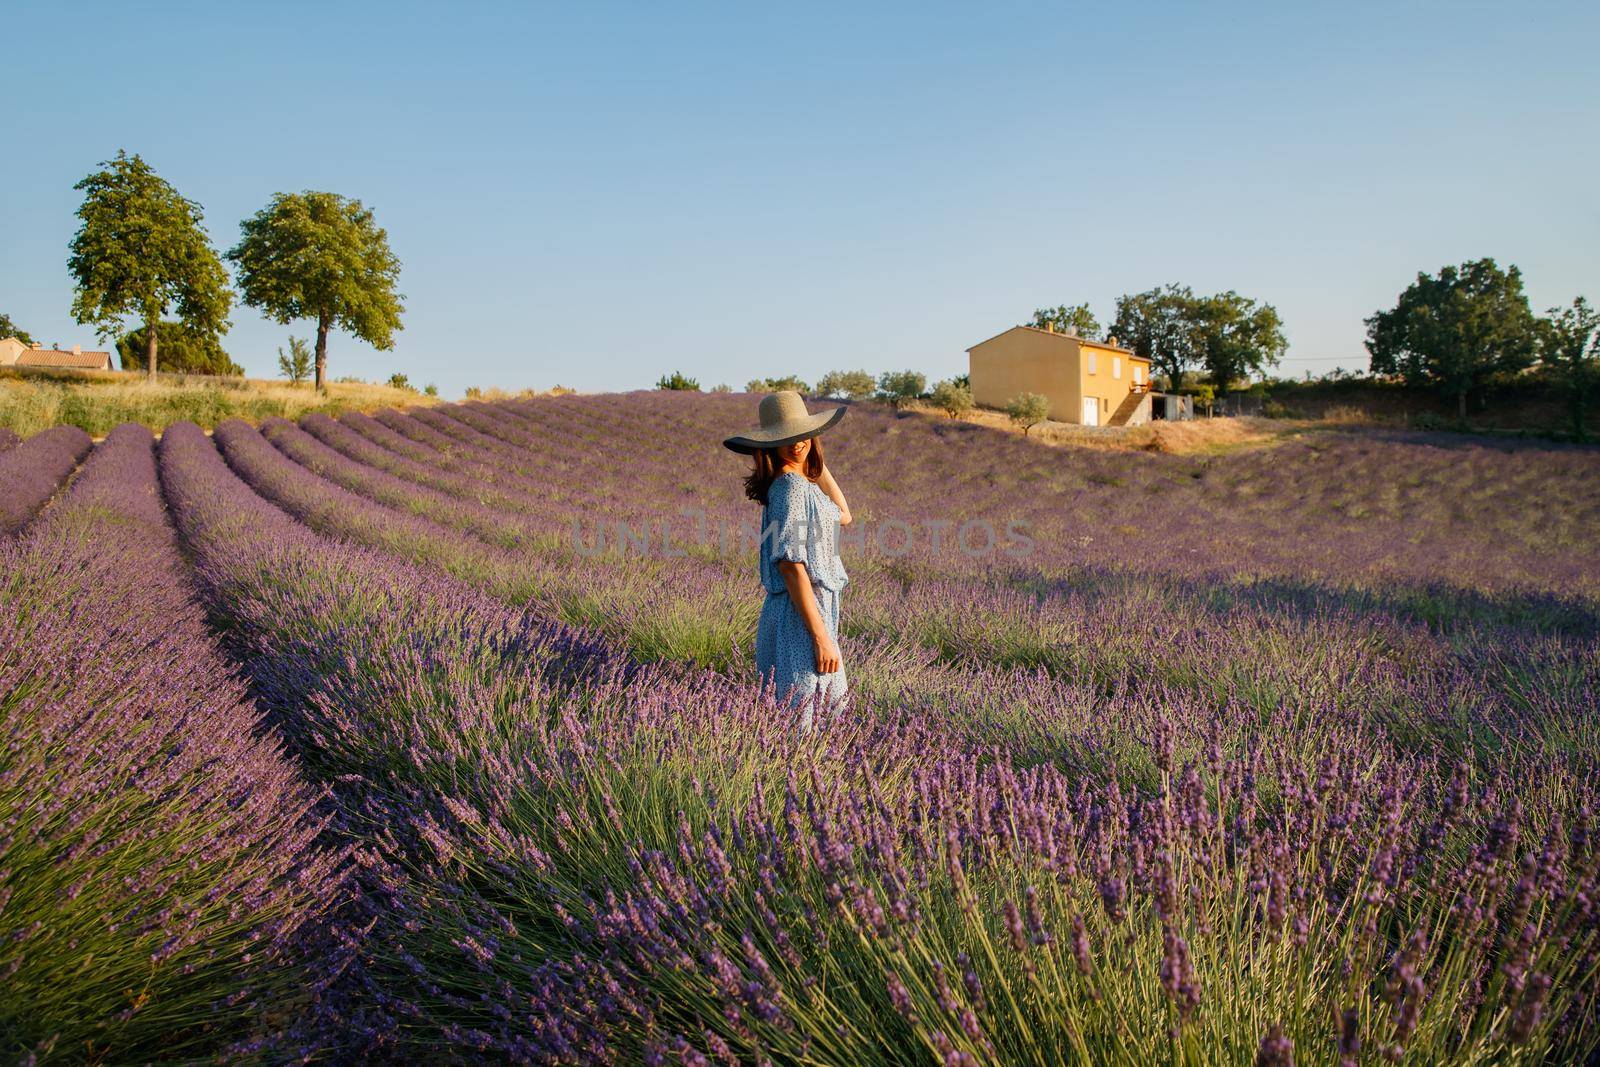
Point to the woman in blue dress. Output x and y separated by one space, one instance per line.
797 637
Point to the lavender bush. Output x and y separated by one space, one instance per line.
35 469
159 871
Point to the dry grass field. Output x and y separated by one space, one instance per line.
1200 436
99 400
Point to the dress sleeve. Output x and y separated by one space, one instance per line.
785 536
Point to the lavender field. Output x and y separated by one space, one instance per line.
434 737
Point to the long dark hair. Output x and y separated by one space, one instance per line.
767 466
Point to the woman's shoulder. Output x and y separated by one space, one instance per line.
792 489
789 483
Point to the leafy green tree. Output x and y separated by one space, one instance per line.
322 257
1455 331
953 398
676 381
1028 410
1159 324
140 250
1066 319
846 384
720 387
184 350
9 329
296 366
430 390
399 381
1236 337
777 385
899 386
1569 345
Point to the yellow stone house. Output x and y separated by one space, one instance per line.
1090 383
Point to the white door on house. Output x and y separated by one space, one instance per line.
1091 411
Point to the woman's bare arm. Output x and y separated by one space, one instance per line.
798 583
831 487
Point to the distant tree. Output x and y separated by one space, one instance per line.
184 350
141 250
1205 394
777 385
1065 319
1236 337
721 387
1569 345
899 386
846 384
1456 330
323 257
10 329
1159 324
296 366
676 381
430 390
399 381
1028 410
953 398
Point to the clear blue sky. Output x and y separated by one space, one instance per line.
593 194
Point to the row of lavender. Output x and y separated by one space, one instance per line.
32 471
162 891
606 859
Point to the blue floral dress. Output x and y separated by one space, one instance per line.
799 523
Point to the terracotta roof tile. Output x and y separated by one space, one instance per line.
50 357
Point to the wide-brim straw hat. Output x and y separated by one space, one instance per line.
784 420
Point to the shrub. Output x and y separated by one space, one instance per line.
722 387
846 384
430 390
399 381
296 364
952 398
180 349
899 386
1028 410
1346 414
777 385
676 381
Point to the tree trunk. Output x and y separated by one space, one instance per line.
322 351
150 350
1461 407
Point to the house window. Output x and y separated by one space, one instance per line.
1116 366
1094 362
